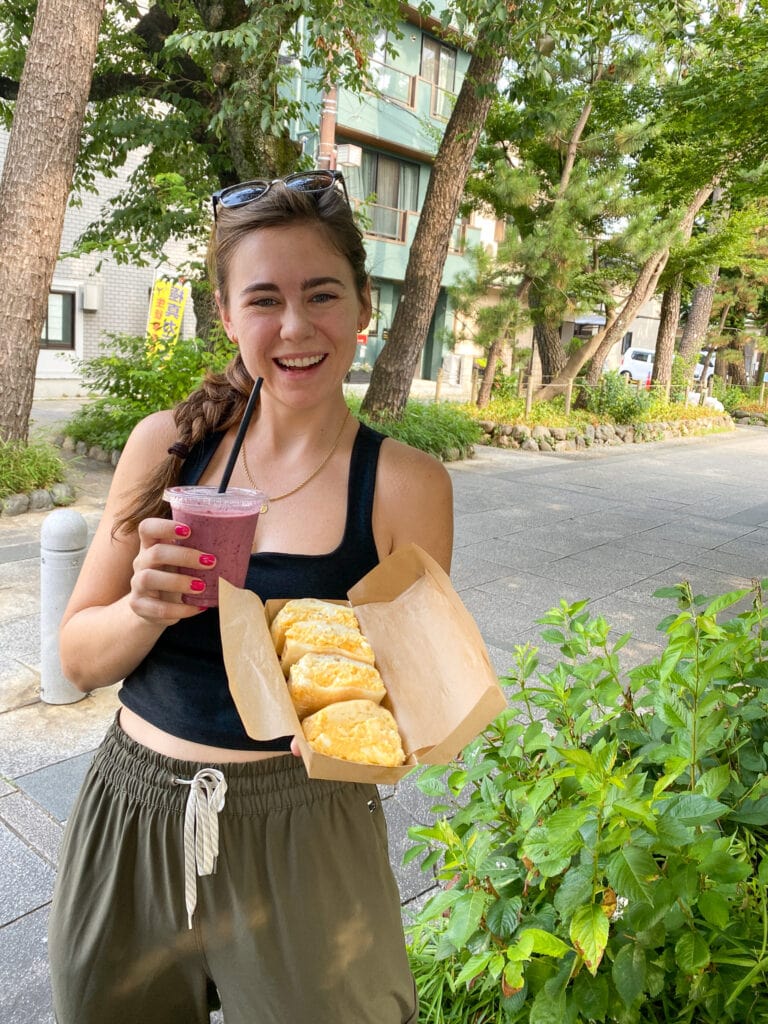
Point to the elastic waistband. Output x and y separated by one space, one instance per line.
253 787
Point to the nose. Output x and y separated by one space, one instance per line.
296 323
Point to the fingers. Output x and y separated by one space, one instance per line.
295 747
164 571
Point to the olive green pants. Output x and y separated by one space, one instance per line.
297 923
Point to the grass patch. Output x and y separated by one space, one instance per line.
443 429
29 466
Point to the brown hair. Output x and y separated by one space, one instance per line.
218 403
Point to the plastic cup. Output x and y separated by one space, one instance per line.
222 525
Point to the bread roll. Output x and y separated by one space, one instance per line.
317 680
314 637
303 608
355 730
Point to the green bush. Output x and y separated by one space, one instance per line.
618 400
444 429
26 467
135 379
605 843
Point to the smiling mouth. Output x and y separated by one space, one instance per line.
300 362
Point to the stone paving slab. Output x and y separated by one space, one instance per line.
26 880
26 818
44 734
54 788
25 991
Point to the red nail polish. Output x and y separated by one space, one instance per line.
181 530
207 559
197 585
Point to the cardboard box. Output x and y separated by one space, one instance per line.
441 686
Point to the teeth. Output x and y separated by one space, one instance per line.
301 363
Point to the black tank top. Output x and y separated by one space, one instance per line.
181 686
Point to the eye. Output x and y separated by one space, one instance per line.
265 302
321 297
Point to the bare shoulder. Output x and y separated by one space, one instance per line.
144 450
414 500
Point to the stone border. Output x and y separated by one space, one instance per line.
572 439
61 494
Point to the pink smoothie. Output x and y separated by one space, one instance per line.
222 525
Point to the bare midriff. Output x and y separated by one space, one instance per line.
184 750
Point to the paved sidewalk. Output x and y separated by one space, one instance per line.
612 525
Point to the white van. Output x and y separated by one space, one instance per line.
637 364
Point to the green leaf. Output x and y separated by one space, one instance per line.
503 916
695 809
714 908
713 782
574 892
546 943
691 953
629 972
631 871
725 601
589 934
476 965
721 867
465 917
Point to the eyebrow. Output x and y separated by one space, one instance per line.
311 282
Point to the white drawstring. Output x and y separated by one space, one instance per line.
201 829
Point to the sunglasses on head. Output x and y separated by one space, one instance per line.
251 191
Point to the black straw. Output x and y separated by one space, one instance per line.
252 398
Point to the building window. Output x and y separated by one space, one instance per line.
59 326
388 80
394 184
438 66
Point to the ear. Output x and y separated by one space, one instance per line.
224 317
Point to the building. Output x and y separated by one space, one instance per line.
92 298
385 141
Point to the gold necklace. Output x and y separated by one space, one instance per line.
312 475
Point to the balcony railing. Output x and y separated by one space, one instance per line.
394 84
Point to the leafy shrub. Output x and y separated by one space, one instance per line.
606 842
618 400
28 467
444 429
135 379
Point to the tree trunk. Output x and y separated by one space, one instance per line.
642 290
697 323
494 352
396 365
595 371
550 346
35 187
665 339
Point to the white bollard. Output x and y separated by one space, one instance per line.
63 543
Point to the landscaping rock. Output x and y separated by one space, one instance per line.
62 494
15 504
40 500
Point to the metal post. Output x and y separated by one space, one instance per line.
568 397
63 543
529 393
438 384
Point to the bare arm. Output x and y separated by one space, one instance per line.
414 503
128 591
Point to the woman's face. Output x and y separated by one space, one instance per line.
294 311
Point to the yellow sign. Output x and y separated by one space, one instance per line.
166 311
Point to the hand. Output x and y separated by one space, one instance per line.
295 747
156 585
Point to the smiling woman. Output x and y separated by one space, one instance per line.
304 882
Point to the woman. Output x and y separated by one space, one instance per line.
299 918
